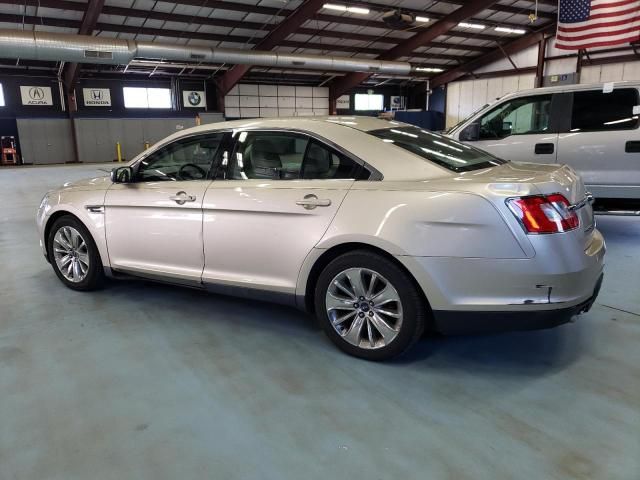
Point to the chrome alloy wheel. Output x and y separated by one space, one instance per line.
71 254
364 308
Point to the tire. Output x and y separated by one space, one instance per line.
363 328
75 249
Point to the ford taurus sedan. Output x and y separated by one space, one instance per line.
381 229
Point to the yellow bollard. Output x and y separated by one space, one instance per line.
147 145
119 151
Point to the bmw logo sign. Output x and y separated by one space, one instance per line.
194 98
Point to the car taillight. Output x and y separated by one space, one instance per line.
544 213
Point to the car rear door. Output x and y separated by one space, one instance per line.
270 206
602 141
519 129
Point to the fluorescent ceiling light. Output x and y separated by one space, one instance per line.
519 31
344 8
475 26
423 19
429 69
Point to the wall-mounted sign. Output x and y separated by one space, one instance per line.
396 102
96 97
36 95
194 99
343 102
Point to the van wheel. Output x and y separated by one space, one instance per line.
74 255
368 306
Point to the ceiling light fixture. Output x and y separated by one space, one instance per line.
344 8
429 69
475 26
423 19
519 31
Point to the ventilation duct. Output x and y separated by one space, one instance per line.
87 49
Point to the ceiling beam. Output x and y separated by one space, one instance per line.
89 20
285 28
231 6
508 48
406 48
239 7
212 37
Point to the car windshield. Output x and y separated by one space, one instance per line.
444 151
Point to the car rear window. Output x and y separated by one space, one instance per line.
441 150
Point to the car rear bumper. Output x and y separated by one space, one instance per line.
488 294
452 322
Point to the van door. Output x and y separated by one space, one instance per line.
518 129
602 141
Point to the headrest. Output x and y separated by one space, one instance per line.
318 161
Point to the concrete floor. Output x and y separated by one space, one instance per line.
148 381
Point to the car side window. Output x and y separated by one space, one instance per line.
520 116
596 111
268 155
321 162
188 158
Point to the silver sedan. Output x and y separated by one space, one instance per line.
381 229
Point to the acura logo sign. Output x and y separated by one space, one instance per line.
36 93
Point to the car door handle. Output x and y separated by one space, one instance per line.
632 146
181 198
309 202
543 148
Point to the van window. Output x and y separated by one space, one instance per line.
595 111
519 116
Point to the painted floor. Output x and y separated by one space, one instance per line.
144 381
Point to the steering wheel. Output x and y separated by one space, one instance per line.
184 174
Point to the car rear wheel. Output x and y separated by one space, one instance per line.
74 255
369 306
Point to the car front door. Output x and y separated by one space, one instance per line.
519 129
273 204
154 224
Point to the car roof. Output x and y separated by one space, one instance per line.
312 124
570 88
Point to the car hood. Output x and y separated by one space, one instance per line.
96 183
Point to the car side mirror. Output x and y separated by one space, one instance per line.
471 133
122 175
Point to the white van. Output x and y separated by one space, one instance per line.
593 128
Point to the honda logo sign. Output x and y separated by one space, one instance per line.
96 97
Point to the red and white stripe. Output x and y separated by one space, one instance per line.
611 22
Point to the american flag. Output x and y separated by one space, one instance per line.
597 23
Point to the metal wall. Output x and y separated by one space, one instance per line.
97 137
45 140
49 140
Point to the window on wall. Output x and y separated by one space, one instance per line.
1 96
364 101
141 97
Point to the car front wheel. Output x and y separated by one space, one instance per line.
369 306
74 255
